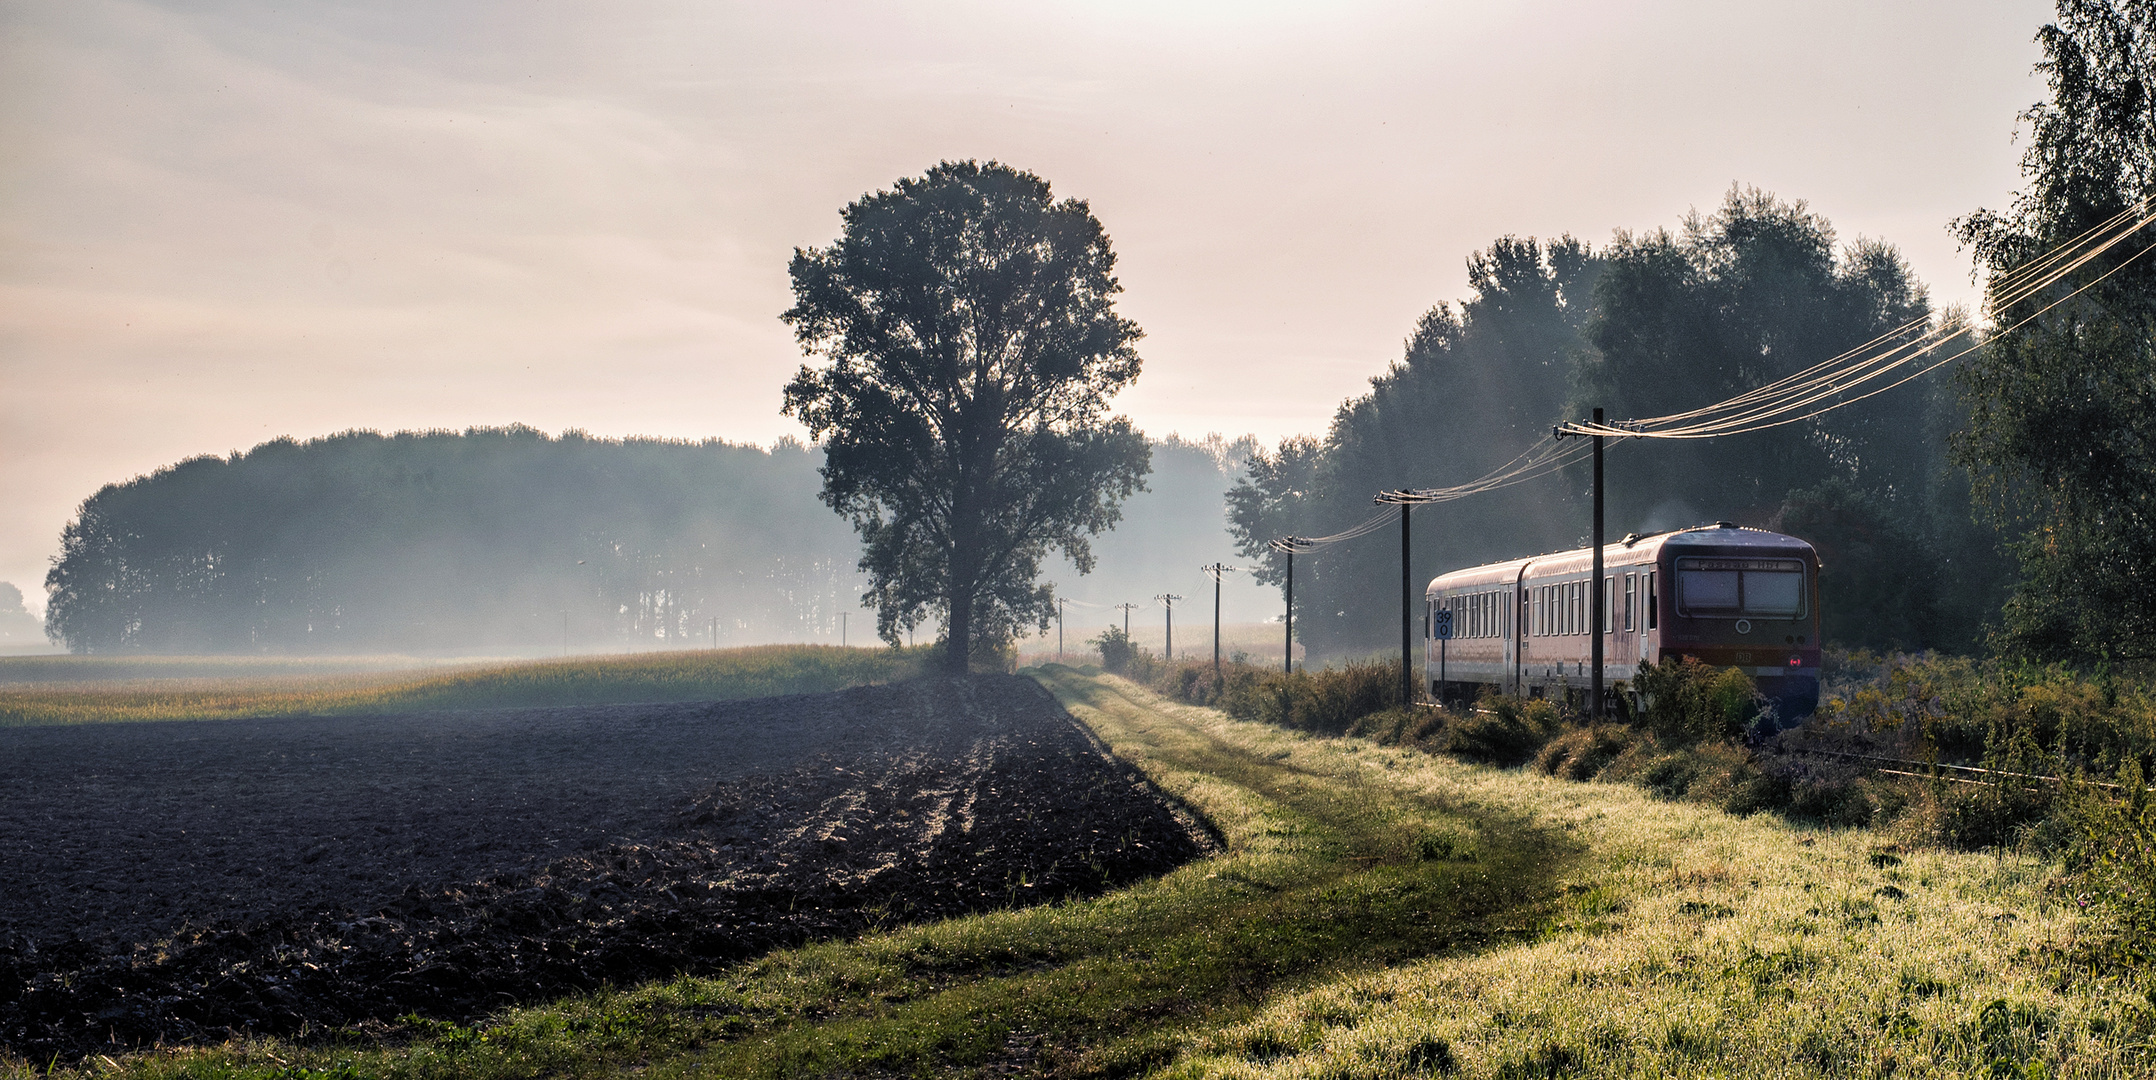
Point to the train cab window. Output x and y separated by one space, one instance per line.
1654 600
1705 592
1729 587
1771 593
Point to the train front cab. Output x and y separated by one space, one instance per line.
1728 596
1745 598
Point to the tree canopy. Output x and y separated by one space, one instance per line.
487 540
968 322
2063 409
1654 323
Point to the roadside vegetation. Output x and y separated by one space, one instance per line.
142 692
1377 911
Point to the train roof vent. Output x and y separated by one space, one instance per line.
1725 524
1631 539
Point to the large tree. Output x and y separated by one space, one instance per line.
1734 300
2063 409
968 320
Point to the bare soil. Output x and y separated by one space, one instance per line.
183 881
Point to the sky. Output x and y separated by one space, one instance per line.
222 222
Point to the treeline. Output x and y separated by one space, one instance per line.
490 539
511 540
1652 324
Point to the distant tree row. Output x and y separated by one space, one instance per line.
487 539
1653 324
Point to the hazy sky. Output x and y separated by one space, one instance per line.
226 221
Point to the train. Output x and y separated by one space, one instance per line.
1726 595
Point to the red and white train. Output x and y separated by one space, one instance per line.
1728 596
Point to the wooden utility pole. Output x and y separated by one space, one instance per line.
1287 655
1407 611
1216 572
1594 653
1126 620
1596 609
1059 628
1169 599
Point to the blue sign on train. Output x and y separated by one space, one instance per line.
1441 625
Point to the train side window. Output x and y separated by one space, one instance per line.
1654 601
1609 604
1629 584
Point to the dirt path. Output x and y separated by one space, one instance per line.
174 881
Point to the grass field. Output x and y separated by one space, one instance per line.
36 690
1378 912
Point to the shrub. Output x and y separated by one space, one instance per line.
1687 701
1504 730
1116 651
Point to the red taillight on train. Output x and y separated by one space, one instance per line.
1796 661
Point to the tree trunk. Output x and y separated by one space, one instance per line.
958 644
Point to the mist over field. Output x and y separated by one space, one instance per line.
496 542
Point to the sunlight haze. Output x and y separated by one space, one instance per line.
225 222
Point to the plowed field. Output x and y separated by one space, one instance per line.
176 881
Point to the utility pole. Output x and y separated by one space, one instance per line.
1594 653
1126 606
1287 655
1169 600
1059 628
1216 571
1595 607
1407 612
842 629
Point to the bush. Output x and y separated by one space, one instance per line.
1686 701
1116 651
1502 730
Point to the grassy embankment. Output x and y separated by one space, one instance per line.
1383 912
122 689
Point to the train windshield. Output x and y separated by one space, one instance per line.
1773 588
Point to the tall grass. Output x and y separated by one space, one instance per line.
759 671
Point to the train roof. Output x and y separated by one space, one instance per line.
1720 535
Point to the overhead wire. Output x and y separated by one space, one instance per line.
1791 399
1786 400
